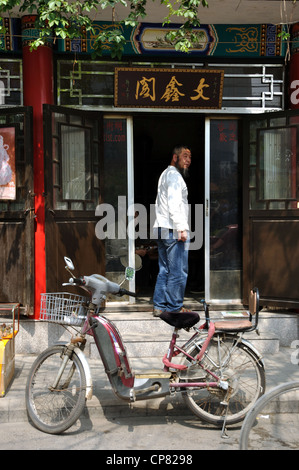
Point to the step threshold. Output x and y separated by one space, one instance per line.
112 307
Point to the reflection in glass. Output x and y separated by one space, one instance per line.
76 166
115 194
277 163
225 233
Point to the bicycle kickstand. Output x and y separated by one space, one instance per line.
223 431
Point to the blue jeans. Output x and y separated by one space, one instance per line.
173 272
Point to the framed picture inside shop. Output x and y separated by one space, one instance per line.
7 163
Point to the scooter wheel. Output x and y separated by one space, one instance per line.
54 410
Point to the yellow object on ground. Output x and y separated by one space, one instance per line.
7 363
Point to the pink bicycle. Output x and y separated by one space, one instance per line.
218 372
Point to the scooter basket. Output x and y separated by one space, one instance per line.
64 308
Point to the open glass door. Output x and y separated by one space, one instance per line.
74 183
223 231
271 208
118 196
89 187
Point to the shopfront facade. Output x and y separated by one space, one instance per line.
85 162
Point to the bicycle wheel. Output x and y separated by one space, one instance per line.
55 410
235 363
273 422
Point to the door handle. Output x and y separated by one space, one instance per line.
28 211
51 211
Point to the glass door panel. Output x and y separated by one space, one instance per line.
118 196
277 165
223 209
115 193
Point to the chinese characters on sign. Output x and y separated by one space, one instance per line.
227 131
114 131
168 88
7 163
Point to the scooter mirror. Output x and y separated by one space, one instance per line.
69 263
129 273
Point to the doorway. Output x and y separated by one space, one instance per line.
122 157
155 136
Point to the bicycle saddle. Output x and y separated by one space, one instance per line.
180 320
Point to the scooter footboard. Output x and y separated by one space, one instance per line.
151 384
114 357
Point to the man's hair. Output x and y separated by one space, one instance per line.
178 149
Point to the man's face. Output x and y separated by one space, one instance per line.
184 161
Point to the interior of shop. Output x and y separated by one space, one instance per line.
155 135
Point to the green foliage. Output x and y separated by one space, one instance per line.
114 39
67 19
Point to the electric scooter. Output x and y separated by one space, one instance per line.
218 372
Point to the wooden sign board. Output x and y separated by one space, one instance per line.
168 88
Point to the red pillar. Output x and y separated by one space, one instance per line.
294 68
38 90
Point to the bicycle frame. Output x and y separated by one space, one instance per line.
175 350
129 386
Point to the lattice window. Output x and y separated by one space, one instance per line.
11 82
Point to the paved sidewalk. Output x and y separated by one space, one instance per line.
280 367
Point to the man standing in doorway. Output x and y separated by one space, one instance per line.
173 234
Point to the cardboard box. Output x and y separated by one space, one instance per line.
7 363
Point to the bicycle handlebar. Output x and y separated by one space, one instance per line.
96 284
100 286
123 291
77 280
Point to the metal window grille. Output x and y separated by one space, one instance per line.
11 82
248 88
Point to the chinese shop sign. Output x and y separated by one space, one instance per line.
168 88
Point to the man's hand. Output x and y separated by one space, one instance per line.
182 236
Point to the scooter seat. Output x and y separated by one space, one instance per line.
180 320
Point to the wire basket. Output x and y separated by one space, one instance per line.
64 308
